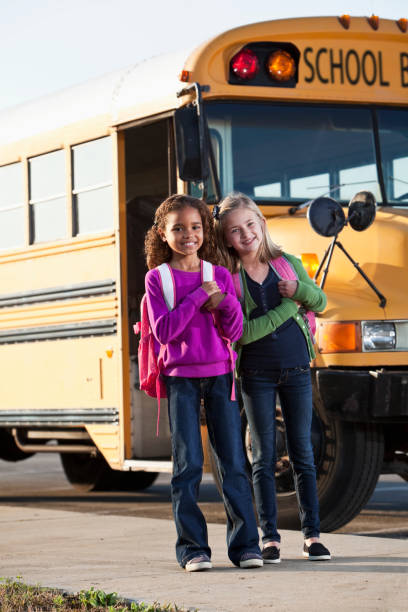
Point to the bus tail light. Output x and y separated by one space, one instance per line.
310 263
245 64
281 66
339 337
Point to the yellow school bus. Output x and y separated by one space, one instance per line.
285 111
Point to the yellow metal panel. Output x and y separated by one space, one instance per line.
322 43
59 374
58 263
108 440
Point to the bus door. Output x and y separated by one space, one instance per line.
150 178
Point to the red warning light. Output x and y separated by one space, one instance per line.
245 64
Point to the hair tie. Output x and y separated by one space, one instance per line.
216 212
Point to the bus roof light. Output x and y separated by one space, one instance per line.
184 76
403 24
245 64
281 66
374 21
345 21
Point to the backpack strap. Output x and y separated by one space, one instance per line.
238 286
167 284
283 268
208 274
207 271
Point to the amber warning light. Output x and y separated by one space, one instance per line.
281 66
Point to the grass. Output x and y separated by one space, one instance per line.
16 596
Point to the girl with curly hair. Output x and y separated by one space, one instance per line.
197 364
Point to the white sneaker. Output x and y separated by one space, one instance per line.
198 564
249 560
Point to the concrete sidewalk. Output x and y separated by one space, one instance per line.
135 557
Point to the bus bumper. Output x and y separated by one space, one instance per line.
363 395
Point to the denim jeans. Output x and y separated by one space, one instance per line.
295 391
224 430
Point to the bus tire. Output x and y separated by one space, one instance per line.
348 459
347 473
9 450
87 472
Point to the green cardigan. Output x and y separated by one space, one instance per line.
307 293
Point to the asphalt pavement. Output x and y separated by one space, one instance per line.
134 556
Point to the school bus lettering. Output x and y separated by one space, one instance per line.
404 69
338 66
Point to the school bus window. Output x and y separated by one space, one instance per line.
272 190
309 187
351 179
47 197
300 150
393 135
11 206
92 186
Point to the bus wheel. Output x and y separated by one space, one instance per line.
88 472
9 450
348 459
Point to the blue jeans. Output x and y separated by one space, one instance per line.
224 430
295 392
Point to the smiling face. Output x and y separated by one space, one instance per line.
183 232
243 231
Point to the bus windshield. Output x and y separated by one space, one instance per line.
279 153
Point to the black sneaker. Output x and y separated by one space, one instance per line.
316 552
271 554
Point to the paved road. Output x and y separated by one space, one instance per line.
39 482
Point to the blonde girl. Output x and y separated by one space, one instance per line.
274 353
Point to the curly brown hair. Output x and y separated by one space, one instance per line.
157 251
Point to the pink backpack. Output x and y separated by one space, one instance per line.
285 271
151 362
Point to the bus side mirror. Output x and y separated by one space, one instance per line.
189 145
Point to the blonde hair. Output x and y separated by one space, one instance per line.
227 256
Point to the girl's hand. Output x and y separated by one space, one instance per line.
214 300
287 288
210 287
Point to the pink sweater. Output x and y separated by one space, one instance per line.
194 347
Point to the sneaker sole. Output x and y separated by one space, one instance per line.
319 558
251 563
271 560
198 567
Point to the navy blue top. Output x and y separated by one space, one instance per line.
286 347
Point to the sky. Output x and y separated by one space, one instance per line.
47 45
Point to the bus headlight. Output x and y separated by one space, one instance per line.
378 336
